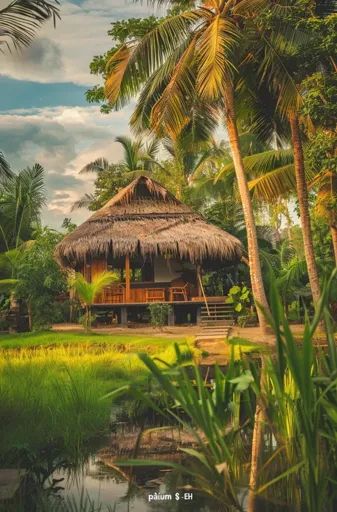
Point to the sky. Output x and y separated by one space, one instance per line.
44 116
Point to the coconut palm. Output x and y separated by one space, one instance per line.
88 291
285 72
21 199
20 20
193 58
138 158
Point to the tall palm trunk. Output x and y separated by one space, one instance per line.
257 447
333 231
302 194
247 206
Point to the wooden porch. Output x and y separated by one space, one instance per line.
141 282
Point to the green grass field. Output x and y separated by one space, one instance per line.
51 338
51 385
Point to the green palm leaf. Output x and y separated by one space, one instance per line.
215 44
20 20
100 164
5 170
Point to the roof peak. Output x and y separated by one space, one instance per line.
141 187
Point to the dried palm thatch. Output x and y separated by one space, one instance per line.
146 219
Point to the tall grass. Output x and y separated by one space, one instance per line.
50 396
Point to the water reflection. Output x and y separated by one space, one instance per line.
107 488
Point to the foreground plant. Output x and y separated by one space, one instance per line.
87 292
292 449
301 405
212 416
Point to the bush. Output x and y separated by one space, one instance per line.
240 297
159 314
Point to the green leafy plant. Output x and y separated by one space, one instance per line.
240 297
87 292
159 314
211 415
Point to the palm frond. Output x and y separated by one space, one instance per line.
84 202
20 20
136 61
214 46
260 163
274 184
5 170
153 89
98 165
132 152
103 280
170 113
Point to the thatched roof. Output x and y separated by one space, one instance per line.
146 219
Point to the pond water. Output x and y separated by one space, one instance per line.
154 490
96 487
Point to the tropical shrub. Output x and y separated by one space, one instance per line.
88 291
159 314
240 297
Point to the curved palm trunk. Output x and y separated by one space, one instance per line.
257 447
247 206
302 194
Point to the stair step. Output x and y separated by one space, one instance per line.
222 323
218 308
218 313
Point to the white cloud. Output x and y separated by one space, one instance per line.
63 140
64 54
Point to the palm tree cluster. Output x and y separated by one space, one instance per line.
240 63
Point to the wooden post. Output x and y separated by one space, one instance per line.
199 280
124 316
204 295
198 315
127 279
171 317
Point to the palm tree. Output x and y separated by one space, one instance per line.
190 162
87 292
5 170
192 58
21 199
20 20
325 207
138 158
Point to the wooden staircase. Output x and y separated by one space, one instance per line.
216 321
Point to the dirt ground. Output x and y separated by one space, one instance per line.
216 349
167 332
249 333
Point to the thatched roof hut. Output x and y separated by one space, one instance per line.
145 219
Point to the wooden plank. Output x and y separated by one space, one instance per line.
98 266
127 279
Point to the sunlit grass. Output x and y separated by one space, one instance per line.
50 390
51 338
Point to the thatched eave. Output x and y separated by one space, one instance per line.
144 219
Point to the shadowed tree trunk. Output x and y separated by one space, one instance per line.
247 206
257 446
333 230
302 194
